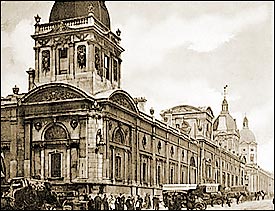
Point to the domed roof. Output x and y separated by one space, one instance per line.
247 136
225 122
62 10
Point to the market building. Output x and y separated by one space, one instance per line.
77 128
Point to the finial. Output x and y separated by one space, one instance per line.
37 19
224 91
118 32
15 90
152 111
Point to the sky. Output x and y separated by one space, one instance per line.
176 53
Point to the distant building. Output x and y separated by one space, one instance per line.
257 178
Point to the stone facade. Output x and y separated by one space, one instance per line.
76 128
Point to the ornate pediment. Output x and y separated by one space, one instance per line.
52 94
124 101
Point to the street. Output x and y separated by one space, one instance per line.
248 205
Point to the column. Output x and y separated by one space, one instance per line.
37 50
68 177
105 134
27 157
133 154
179 165
71 60
188 165
167 175
42 162
13 149
153 164
125 166
113 165
138 160
53 64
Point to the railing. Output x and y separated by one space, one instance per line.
75 22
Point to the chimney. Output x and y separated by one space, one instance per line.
140 102
31 73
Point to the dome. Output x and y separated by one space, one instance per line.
62 10
247 136
225 122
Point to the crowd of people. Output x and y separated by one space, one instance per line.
122 202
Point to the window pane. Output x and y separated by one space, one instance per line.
63 53
56 165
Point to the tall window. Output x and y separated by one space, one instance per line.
144 169
81 56
106 66
63 61
171 175
118 167
158 179
45 61
56 165
252 158
115 70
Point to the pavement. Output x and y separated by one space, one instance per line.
266 204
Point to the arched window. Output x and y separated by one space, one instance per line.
118 137
192 162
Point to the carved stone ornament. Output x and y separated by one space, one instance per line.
110 125
98 62
43 42
55 132
82 37
62 40
38 126
159 147
123 101
60 27
172 151
46 61
115 70
81 56
144 142
53 94
74 123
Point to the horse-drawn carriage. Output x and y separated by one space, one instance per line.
25 194
177 196
192 196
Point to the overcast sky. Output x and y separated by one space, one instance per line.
175 53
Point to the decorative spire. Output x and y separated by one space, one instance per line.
224 102
245 122
224 91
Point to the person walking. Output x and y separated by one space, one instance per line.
111 202
129 203
105 203
156 202
139 203
91 203
98 202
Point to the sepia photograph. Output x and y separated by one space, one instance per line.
137 105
